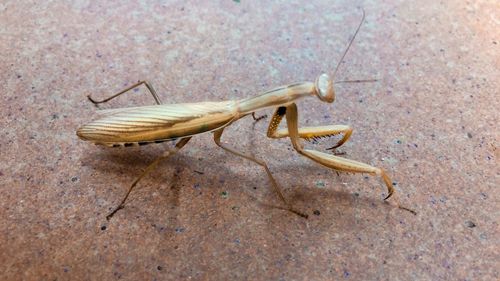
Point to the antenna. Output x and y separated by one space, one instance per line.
350 43
356 81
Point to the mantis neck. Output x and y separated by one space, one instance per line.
278 97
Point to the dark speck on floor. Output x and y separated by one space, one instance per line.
470 224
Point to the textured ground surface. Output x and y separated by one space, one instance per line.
431 122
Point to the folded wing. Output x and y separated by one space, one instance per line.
158 122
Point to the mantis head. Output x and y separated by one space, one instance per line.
323 88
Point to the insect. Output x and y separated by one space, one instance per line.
180 122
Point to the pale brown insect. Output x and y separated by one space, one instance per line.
164 122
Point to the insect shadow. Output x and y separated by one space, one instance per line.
173 174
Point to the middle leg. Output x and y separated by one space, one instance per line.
217 136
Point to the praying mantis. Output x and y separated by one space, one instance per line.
180 122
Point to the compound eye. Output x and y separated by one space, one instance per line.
324 88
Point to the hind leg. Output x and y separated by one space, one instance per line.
150 88
148 169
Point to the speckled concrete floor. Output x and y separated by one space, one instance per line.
431 121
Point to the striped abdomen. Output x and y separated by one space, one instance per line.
146 124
